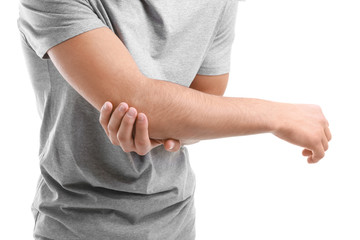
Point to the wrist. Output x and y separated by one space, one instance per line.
276 116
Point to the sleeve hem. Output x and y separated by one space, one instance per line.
213 71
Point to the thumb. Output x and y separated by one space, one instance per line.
172 145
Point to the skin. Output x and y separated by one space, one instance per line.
121 125
100 68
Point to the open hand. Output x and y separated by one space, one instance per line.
129 130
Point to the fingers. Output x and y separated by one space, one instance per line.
327 133
114 123
120 124
125 133
318 153
142 140
172 145
144 144
306 152
324 143
105 114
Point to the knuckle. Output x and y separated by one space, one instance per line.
319 154
141 152
121 138
326 147
111 128
317 141
102 121
141 142
125 149
144 151
323 121
319 133
113 142
313 141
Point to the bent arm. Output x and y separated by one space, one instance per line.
98 66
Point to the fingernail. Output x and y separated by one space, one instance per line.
131 112
172 145
121 108
141 117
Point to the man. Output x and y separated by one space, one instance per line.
144 54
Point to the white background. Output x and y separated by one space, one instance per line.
248 187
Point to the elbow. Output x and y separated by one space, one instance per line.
132 92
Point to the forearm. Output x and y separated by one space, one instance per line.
178 112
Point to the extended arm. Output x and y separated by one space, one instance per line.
100 68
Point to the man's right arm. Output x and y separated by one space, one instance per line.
100 68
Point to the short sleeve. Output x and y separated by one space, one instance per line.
218 56
46 23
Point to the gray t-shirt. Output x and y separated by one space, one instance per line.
88 187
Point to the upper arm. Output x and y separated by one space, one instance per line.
212 84
92 65
90 57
